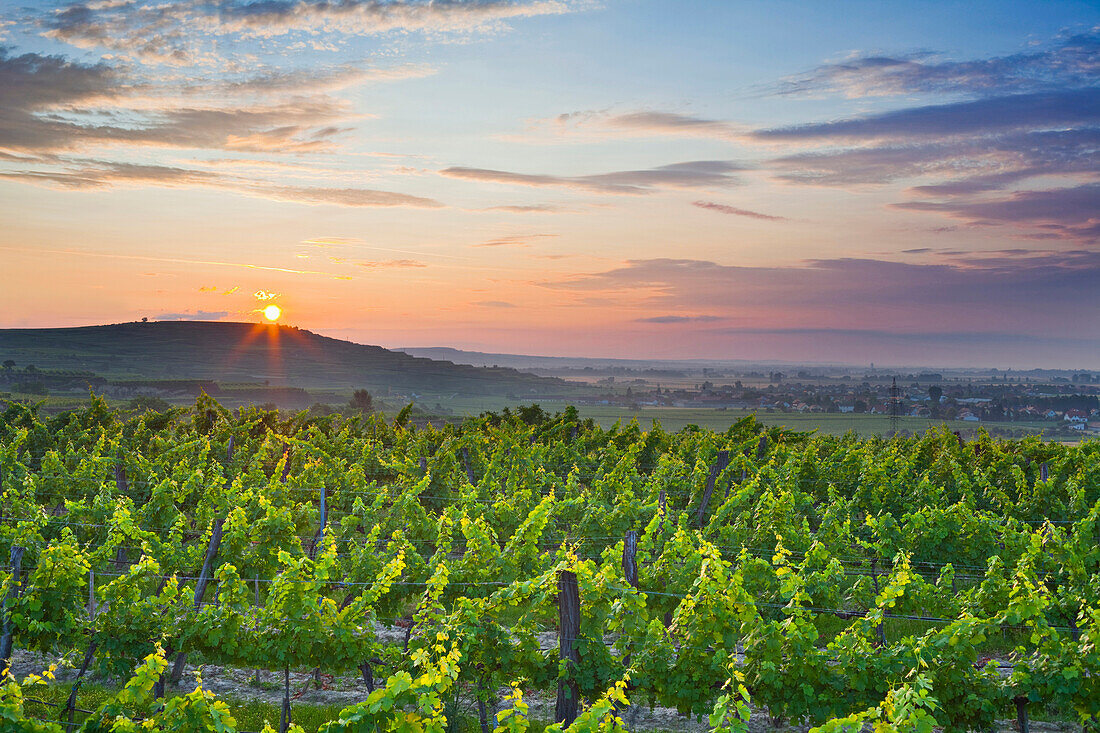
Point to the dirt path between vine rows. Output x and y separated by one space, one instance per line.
249 685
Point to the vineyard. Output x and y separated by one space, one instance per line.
831 581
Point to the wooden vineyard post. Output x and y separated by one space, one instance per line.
13 593
720 464
482 711
729 484
91 595
284 717
70 706
630 575
120 473
123 486
324 518
200 591
368 676
1021 714
661 509
744 475
630 563
466 464
762 448
1044 472
569 629
319 540
423 464
881 626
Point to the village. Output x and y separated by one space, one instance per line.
1063 404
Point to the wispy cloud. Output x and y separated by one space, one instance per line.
734 211
1012 119
86 175
681 319
530 208
1070 61
50 104
513 240
601 124
1011 112
341 196
694 174
388 264
198 315
1032 292
173 261
494 304
181 32
1060 213
969 164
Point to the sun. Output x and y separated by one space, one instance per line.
272 312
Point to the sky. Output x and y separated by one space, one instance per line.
888 182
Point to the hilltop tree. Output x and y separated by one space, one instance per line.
361 401
9 364
935 392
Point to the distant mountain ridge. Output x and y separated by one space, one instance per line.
249 352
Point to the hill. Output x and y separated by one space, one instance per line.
253 353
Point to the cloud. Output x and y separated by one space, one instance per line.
680 319
83 175
963 342
310 81
385 264
102 174
188 33
1060 213
196 316
695 174
646 123
1016 118
1071 61
277 17
733 210
341 196
49 104
984 162
1041 292
156 33
1007 112
513 240
494 304
32 83
530 209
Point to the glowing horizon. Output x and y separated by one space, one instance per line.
886 183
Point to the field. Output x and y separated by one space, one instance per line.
676 418
536 570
